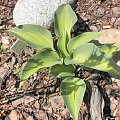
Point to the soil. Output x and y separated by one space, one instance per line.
39 98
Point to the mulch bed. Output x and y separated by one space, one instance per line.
39 98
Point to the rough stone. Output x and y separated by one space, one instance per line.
40 12
110 36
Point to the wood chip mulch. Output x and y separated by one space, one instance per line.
39 98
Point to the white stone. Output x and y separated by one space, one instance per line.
40 12
5 40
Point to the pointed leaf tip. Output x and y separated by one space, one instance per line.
64 20
34 35
72 91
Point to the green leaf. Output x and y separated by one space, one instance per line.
90 55
34 35
109 49
65 74
64 18
62 70
72 91
41 60
62 46
82 39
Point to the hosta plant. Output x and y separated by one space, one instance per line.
64 56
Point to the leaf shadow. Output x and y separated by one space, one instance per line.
97 57
70 87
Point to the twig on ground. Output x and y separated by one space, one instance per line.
6 59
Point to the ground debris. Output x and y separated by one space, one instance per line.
39 97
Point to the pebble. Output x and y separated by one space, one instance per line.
5 40
107 27
94 28
2 27
100 11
